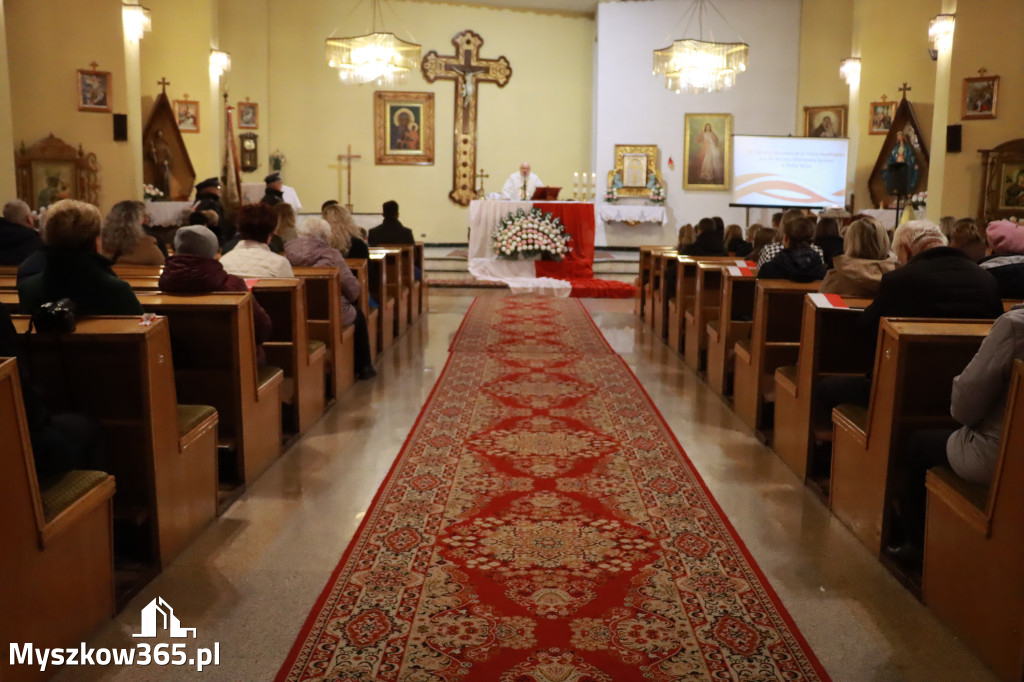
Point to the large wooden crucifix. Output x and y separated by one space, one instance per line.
466 69
347 159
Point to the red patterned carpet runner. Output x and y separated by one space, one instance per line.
542 524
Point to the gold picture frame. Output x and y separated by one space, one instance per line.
707 152
980 98
634 163
403 128
880 116
94 91
826 121
186 113
248 115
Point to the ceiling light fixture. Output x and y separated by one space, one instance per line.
698 65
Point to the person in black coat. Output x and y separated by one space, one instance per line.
826 237
797 261
274 194
18 237
708 241
933 280
208 199
391 231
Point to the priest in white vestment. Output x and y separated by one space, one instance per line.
521 186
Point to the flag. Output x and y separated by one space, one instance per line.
232 195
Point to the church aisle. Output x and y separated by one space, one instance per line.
252 577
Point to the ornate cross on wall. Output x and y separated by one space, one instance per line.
466 69
905 89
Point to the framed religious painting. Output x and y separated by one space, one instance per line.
707 151
403 128
881 117
825 121
635 170
980 97
248 115
186 112
94 91
1002 194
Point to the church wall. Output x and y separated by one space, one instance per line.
44 49
543 115
243 34
635 108
178 49
987 36
826 29
7 181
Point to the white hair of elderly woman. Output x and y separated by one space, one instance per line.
917 236
314 226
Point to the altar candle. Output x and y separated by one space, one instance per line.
593 185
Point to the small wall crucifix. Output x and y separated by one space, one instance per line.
467 70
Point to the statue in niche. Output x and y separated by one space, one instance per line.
162 158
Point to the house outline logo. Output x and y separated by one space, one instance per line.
159 610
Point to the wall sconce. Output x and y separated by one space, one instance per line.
220 62
849 69
940 33
136 20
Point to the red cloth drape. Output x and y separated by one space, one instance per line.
578 220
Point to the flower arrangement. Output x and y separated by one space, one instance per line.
657 195
611 195
524 234
151 193
919 200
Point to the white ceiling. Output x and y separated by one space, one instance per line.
580 7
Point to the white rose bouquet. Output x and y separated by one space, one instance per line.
530 234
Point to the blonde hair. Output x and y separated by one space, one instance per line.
687 235
122 229
343 228
732 232
917 236
946 224
72 224
285 221
752 230
866 238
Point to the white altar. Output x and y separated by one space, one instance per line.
168 213
632 214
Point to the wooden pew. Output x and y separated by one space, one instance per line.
915 362
643 282
707 302
829 346
733 325
421 288
974 549
163 454
660 296
361 270
8 270
774 342
215 363
291 349
9 282
323 307
383 293
56 573
683 299
124 271
398 290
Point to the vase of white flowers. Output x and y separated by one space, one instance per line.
657 195
530 235
151 193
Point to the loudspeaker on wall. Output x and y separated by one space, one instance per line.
953 138
120 127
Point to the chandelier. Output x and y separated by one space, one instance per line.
382 58
698 65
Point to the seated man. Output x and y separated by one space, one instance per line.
72 266
933 280
979 403
391 231
252 258
194 268
18 236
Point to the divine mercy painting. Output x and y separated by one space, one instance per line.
707 148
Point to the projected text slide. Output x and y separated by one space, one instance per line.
789 171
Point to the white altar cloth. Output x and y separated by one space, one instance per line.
484 263
632 214
168 213
252 192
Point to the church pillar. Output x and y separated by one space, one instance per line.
940 119
133 109
8 189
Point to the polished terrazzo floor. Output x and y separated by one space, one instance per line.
250 580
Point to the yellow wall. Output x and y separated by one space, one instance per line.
987 36
43 81
825 34
178 48
243 33
7 182
543 114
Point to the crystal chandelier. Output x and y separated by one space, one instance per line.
698 65
382 58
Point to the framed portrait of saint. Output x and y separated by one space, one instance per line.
707 150
187 114
827 121
403 128
94 91
881 117
980 97
248 115
1011 192
634 170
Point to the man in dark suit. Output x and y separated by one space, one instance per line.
208 199
391 231
18 237
274 194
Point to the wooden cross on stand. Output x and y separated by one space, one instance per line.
466 69
481 176
347 158
905 89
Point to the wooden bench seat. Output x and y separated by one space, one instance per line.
323 308
421 289
707 303
830 345
360 269
409 286
774 342
119 372
915 363
215 363
397 288
643 297
290 348
974 549
383 294
684 298
733 325
56 573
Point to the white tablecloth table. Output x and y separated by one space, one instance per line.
632 214
168 213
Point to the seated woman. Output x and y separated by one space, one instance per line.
125 242
312 249
735 244
1006 259
966 236
194 269
826 237
866 257
797 261
252 258
285 230
73 267
760 239
979 403
708 241
346 236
